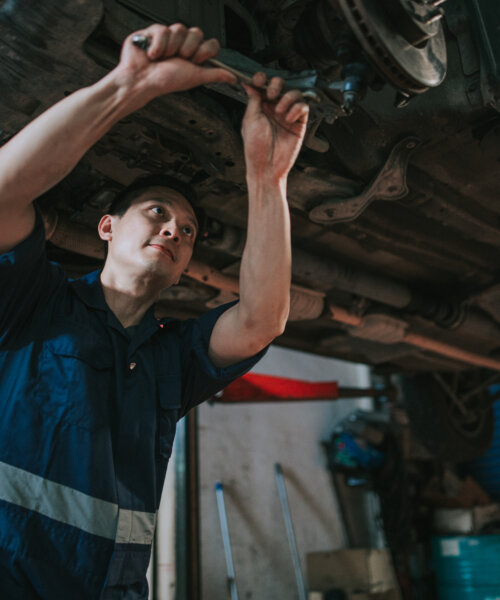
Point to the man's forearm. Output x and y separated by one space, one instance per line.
265 273
47 149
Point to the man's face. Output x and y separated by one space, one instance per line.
155 237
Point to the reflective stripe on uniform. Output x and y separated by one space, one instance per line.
67 505
135 527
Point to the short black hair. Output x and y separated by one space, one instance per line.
122 201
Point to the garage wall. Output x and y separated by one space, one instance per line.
239 445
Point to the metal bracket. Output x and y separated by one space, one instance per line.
389 184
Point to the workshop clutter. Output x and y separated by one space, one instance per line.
466 521
465 547
354 447
340 595
353 574
356 453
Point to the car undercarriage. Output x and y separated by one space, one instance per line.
394 197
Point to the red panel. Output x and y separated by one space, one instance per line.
261 388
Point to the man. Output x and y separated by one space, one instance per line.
91 384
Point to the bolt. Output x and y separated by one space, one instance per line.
434 16
402 99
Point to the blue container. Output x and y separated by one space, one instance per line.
467 568
486 470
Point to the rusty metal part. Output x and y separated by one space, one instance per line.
341 315
37 56
329 274
304 303
482 387
381 328
319 273
389 184
67 234
470 404
471 358
74 237
312 141
213 277
454 398
404 40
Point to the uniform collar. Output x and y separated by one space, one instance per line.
89 289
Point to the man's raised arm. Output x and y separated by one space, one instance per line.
273 132
47 149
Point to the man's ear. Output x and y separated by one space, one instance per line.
105 228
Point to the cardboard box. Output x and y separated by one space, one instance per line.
464 521
450 491
360 570
391 595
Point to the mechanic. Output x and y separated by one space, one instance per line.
91 383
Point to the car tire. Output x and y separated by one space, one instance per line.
438 424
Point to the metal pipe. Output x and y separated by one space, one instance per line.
304 303
329 274
343 393
219 492
280 482
64 233
471 358
75 237
341 315
193 507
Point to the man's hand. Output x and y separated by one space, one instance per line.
172 62
273 130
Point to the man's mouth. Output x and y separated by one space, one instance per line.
164 250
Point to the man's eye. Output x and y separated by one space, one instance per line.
188 230
158 210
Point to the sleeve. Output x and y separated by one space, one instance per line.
201 379
27 281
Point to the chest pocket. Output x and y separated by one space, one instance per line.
170 407
75 376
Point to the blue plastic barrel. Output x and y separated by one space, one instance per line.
467 567
486 470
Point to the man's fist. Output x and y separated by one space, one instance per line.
172 61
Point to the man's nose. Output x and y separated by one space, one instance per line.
171 231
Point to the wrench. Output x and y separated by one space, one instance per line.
308 93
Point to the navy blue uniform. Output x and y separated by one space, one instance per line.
87 422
